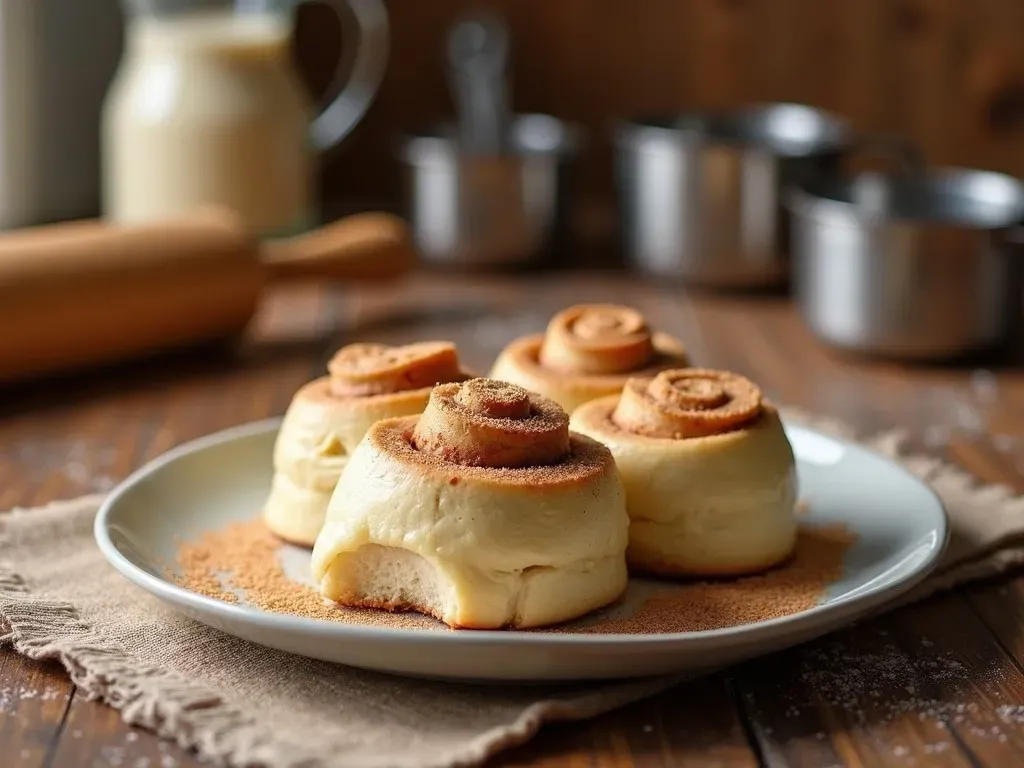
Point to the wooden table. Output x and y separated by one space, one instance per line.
939 683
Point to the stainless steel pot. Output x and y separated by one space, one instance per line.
922 266
701 193
491 211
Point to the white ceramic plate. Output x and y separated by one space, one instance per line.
203 485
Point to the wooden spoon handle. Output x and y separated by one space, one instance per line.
364 246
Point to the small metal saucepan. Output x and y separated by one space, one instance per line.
701 194
915 266
491 211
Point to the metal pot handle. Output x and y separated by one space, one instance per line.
899 151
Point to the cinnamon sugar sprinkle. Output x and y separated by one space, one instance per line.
246 558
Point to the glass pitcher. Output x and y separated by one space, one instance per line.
207 109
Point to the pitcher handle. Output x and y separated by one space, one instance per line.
364 25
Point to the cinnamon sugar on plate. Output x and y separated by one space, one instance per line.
245 562
796 586
247 558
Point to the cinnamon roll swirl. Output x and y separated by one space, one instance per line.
329 416
709 474
588 351
485 512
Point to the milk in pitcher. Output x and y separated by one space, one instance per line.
207 109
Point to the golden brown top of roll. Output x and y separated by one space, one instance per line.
587 352
687 402
597 339
488 423
361 370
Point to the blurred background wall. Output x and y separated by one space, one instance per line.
947 74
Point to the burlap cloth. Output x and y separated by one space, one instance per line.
240 704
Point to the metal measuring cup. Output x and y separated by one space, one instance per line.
491 188
491 211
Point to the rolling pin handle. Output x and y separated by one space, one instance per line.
365 246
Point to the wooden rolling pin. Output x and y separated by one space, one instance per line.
90 292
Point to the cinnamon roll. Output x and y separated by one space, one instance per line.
329 416
709 474
485 512
588 351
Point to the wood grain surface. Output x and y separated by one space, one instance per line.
940 683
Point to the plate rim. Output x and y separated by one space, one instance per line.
291 624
